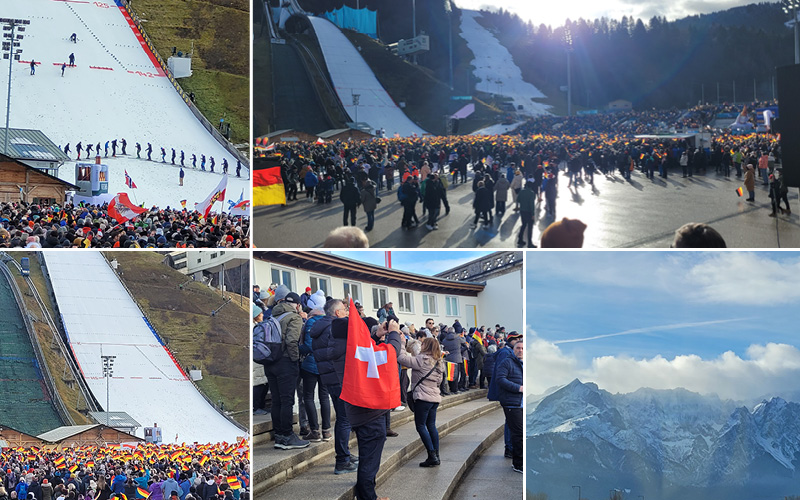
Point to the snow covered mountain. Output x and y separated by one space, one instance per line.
662 444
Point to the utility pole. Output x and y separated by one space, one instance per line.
568 39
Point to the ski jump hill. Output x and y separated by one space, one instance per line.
116 90
496 69
350 74
100 318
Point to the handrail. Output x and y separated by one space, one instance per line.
58 404
196 112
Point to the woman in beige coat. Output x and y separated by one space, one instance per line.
427 370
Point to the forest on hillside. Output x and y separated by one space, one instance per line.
654 63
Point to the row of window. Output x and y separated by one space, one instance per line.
380 295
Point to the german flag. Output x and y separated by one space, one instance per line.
234 483
466 368
73 469
203 460
59 462
90 463
142 492
225 458
739 191
451 371
268 184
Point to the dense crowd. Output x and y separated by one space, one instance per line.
442 360
90 226
166 472
519 171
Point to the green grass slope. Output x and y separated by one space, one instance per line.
219 30
220 346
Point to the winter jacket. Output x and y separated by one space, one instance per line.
501 189
291 328
527 200
350 195
368 199
499 357
420 365
483 200
750 179
509 379
479 353
309 364
170 485
47 492
452 344
329 350
433 194
155 491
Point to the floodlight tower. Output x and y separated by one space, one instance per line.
568 41
108 372
12 39
791 6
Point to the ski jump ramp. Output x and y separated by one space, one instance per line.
116 90
100 318
352 75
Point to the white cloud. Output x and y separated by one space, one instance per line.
650 329
765 369
717 277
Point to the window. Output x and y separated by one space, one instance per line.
320 283
405 302
380 296
283 277
353 289
451 306
199 261
214 255
429 304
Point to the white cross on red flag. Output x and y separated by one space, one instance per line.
371 379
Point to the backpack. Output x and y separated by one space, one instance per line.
22 489
401 196
268 340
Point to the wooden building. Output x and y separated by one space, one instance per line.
20 182
81 435
12 438
346 134
288 135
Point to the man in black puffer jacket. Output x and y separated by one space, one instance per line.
509 382
329 345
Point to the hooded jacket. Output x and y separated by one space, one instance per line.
452 344
428 389
291 328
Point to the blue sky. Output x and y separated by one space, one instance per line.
632 319
428 262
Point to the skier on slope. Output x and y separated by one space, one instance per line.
173 156
163 155
79 148
72 60
66 149
194 160
33 67
238 168
181 177
138 150
212 163
203 162
149 151
63 67
74 38
98 149
124 145
182 157
89 150
114 148
225 166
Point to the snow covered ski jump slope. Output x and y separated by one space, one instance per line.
115 90
352 75
496 68
100 318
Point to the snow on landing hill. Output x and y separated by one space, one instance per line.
493 63
116 90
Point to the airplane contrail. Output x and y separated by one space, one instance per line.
676 326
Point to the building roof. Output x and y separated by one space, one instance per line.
336 131
29 144
486 267
64 432
4 158
116 419
370 273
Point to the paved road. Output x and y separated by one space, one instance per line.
619 214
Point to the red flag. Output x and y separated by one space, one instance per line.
371 379
122 209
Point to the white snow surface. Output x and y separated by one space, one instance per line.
102 319
115 91
352 75
493 63
497 129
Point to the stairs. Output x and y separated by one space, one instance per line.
468 424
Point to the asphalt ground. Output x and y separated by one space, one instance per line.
619 213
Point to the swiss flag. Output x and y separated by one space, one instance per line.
122 209
371 379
